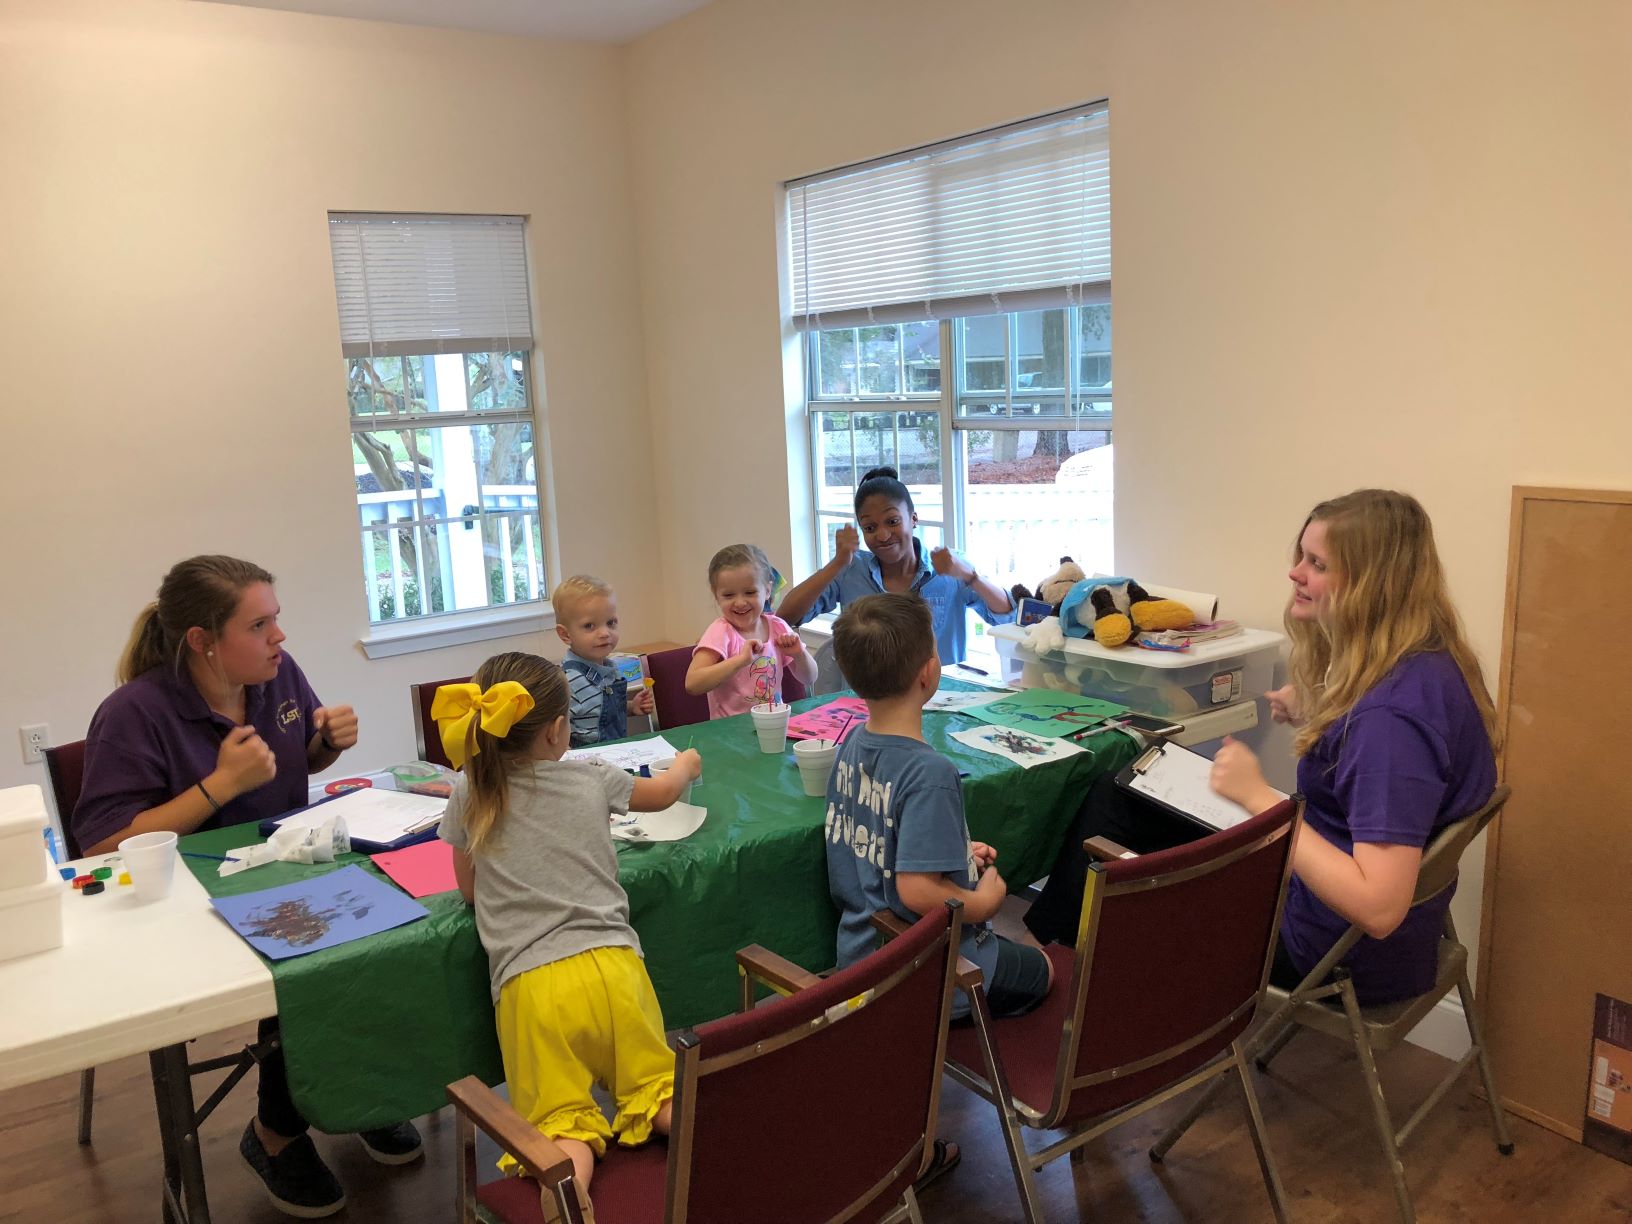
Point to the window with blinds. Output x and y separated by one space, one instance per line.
1017 218
436 338
956 305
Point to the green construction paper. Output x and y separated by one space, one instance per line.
374 1030
1046 712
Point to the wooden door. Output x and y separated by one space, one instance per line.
1557 927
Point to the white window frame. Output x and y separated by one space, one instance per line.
449 327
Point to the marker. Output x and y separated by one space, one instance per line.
978 671
214 858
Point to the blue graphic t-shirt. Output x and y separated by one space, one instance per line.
895 804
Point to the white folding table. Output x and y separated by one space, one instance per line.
135 978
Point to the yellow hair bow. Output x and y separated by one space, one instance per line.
458 706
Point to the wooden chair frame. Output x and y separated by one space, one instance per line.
477 1106
1015 1115
427 739
1370 1029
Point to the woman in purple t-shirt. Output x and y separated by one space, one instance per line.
214 724
1395 741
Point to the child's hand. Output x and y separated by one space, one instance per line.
689 763
846 544
790 643
991 884
641 702
749 652
945 561
985 855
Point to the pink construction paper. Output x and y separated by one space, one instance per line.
833 721
421 870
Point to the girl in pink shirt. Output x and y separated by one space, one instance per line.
740 658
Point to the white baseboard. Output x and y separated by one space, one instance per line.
1443 1030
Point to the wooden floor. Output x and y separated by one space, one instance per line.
1316 1112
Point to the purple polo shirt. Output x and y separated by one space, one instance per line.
154 737
1410 758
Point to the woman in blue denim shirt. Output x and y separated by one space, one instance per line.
895 562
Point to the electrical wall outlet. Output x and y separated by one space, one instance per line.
36 740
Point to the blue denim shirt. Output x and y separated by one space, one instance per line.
946 596
599 712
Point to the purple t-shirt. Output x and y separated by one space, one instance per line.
1410 758
155 736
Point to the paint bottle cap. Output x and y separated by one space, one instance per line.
94 887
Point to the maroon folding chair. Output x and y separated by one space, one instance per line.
1170 963
793 688
65 768
675 706
819 1106
426 737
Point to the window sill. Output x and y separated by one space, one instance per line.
384 641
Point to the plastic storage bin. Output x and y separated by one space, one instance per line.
22 842
31 916
1170 684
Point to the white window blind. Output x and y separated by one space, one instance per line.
410 285
1017 218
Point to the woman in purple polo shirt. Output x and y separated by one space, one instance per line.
1395 740
214 724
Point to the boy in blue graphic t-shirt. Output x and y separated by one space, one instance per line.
896 837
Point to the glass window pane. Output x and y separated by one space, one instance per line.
1040 350
836 363
880 360
376 386
492 382
1033 496
1094 325
921 353
985 344
835 461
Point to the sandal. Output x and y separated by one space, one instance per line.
944 1161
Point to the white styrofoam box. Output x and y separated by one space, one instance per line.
22 840
1171 684
31 915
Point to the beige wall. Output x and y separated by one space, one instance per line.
1354 244
171 364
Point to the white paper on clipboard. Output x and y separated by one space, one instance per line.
1181 779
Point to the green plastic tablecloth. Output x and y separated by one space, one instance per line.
375 1029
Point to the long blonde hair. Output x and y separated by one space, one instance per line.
200 592
1388 600
488 771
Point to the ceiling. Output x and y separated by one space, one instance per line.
610 21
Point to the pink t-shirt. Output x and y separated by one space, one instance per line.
760 681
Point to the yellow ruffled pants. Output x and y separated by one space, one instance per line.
591 1018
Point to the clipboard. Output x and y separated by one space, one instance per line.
406 833
1175 779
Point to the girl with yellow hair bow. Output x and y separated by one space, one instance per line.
573 1001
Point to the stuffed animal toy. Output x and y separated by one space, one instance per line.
1112 608
1055 587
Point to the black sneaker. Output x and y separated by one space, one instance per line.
296 1179
393 1145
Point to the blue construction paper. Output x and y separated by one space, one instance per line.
322 912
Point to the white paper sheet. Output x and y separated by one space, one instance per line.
626 755
673 823
376 815
955 701
1026 751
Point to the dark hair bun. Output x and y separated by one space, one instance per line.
888 472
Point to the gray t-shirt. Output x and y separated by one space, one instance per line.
547 880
